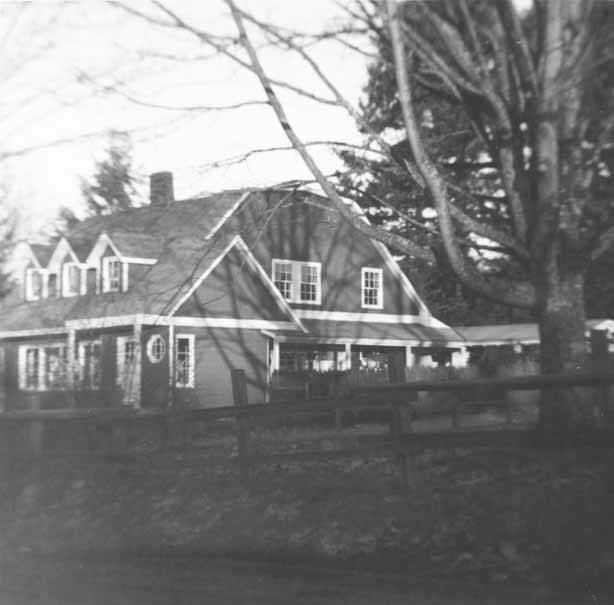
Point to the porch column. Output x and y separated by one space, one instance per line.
135 395
347 362
71 366
171 364
275 357
410 358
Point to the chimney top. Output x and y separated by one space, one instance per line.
161 191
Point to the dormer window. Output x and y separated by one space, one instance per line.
298 281
111 274
35 284
71 279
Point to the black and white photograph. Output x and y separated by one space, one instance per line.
306 302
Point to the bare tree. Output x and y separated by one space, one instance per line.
534 95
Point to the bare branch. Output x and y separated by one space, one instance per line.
356 220
242 157
516 295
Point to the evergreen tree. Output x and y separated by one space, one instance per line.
112 186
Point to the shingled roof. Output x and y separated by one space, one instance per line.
184 237
175 235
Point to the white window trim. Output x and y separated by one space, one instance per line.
192 349
106 285
120 375
82 345
66 292
29 290
295 286
380 294
42 363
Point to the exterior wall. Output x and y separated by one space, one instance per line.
217 351
233 290
17 399
109 394
304 232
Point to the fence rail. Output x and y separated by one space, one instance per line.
396 399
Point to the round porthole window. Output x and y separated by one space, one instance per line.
156 348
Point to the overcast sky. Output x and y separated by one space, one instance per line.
57 57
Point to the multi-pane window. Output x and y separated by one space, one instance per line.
53 285
316 359
309 282
297 281
111 274
282 276
35 280
31 370
43 367
56 363
126 361
71 279
184 360
372 290
90 364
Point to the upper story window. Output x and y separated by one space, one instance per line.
282 276
297 281
372 291
35 284
111 274
71 279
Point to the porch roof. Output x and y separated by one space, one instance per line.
522 333
354 332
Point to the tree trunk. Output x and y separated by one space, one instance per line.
563 350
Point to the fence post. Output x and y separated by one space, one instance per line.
397 447
599 356
239 395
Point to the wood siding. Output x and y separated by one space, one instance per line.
233 289
304 232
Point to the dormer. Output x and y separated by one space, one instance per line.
113 255
32 261
64 271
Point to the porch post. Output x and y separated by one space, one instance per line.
71 366
135 395
347 365
171 364
275 357
410 358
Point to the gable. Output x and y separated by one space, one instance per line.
233 289
62 253
299 231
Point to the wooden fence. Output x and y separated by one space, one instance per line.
400 440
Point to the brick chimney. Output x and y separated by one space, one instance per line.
161 191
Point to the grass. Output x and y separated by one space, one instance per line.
530 516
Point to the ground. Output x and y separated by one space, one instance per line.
492 520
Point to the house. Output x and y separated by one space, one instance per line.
155 305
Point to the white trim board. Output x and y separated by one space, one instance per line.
237 241
178 321
382 342
228 214
138 260
29 333
363 317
